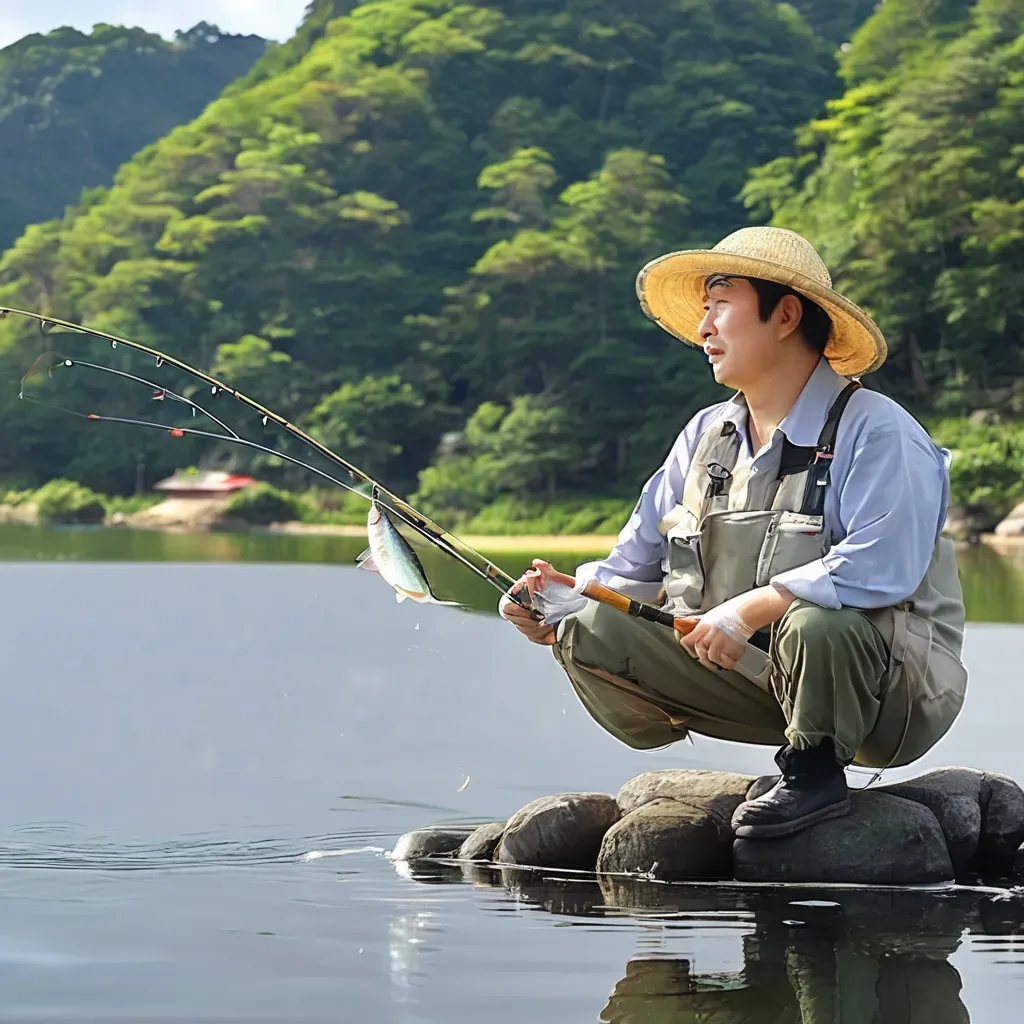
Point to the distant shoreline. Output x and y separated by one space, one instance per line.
197 516
206 516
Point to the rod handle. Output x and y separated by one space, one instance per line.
640 609
599 592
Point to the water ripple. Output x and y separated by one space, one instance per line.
108 855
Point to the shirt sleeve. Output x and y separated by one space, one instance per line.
892 502
634 566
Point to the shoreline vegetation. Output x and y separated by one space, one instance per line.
264 509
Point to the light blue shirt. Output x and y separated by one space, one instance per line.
884 508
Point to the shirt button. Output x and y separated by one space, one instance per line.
753 472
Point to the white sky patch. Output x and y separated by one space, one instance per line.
272 19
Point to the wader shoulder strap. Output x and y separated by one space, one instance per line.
816 461
818 475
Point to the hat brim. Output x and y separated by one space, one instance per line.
671 293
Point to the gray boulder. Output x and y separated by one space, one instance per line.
721 792
675 825
482 842
671 840
953 795
562 831
428 842
981 813
1002 820
884 840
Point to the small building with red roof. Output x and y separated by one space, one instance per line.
203 484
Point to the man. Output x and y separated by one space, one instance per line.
800 523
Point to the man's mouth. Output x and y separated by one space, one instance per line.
714 354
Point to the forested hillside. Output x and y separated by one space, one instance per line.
912 185
415 229
74 107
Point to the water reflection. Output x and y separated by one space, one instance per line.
993 583
408 944
808 955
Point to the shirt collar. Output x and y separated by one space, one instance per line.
803 423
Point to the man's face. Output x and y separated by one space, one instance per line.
740 346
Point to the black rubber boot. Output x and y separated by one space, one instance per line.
812 787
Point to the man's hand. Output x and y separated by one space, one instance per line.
525 621
718 640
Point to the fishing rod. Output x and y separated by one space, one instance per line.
447 541
162 393
440 537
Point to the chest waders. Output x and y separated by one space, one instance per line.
736 528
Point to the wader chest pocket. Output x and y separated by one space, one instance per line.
685 581
791 539
731 543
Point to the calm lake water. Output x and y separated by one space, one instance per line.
208 742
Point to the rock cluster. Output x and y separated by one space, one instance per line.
950 823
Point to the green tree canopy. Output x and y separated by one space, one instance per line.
418 209
912 188
74 107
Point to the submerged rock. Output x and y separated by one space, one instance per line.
671 840
482 842
428 842
563 831
884 840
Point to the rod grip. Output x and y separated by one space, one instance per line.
598 592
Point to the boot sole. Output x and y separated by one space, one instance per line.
787 828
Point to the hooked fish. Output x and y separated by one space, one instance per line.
391 556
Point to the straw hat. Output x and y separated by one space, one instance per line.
671 291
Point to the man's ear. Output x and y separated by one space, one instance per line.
788 314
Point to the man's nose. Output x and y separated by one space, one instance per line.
706 328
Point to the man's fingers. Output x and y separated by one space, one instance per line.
541 636
517 611
695 636
717 655
534 581
723 650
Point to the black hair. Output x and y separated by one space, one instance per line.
815 324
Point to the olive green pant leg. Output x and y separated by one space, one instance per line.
830 667
636 680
